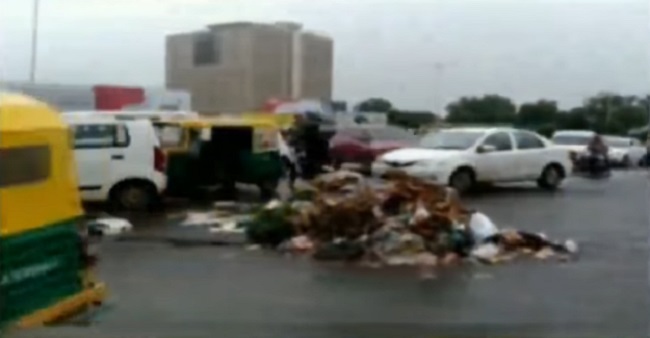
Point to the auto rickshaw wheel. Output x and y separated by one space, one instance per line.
135 195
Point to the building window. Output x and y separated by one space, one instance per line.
93 136
207 49
24 165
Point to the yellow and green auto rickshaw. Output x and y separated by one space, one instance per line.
220 152
45 270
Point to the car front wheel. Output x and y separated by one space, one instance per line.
551 177
462 180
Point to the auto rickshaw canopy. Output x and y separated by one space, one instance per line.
282 121
38 178
240 121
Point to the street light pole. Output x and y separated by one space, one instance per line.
32 69
646 161
647 107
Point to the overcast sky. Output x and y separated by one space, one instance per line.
525 49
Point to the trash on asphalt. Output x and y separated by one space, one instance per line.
216 221
200 219
228 227
398 220
110 226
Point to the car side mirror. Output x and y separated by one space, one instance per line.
485 148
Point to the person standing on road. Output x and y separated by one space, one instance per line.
288 157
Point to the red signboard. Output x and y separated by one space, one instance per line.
117 97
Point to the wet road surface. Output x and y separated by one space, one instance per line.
158 290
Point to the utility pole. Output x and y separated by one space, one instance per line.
32 69
647 107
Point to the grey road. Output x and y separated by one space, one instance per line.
158 290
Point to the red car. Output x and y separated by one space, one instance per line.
361 145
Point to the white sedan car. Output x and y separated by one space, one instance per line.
625 151
462 157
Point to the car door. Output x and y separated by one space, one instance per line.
92 144
127 161
499 163
531 151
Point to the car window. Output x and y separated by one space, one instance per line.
571 140
501 141
527 140
618 142
100 136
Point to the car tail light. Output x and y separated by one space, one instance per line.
159 160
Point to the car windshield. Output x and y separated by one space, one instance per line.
451 139
618 142
571 140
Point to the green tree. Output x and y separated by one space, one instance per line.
614 113
489 109
536 114
379 105
411 118
575 118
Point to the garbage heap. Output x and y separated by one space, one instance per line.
400 220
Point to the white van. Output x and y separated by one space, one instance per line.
118 161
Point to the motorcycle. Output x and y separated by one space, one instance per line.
591 165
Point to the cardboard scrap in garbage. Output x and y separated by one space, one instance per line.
402 220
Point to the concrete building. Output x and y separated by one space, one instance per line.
238 66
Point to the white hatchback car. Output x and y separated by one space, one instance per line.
462 157
118 161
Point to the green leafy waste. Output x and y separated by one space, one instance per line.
271 226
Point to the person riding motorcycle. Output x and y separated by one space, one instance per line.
597 146
597 151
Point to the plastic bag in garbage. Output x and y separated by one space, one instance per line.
200 219
482 227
